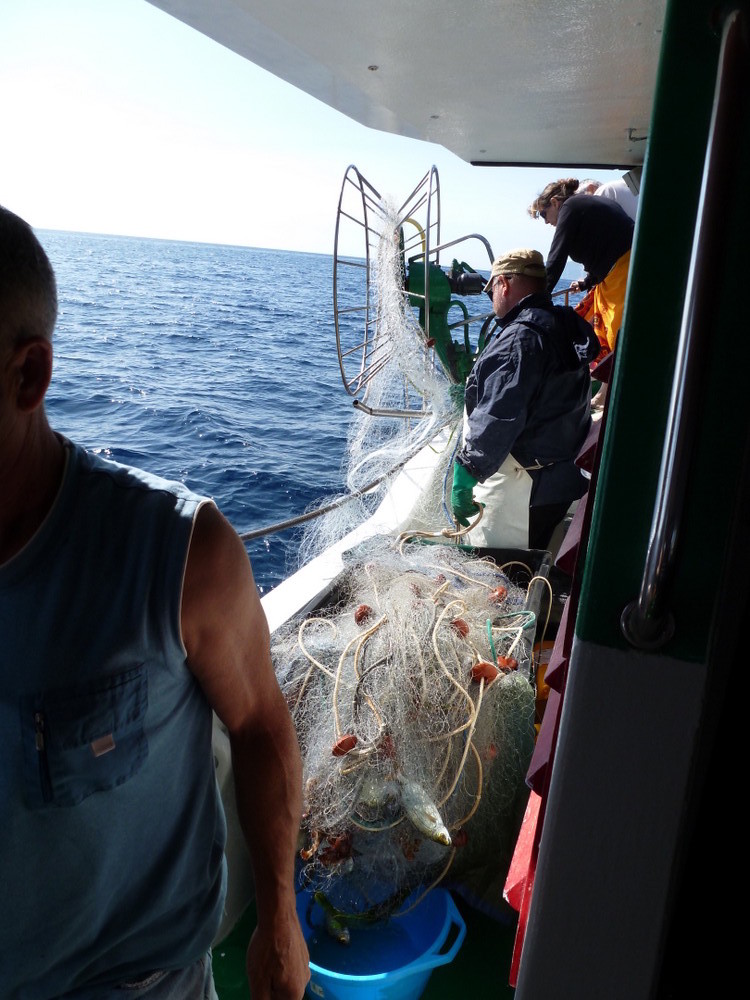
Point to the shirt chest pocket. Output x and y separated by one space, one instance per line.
84 739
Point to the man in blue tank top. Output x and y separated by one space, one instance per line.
128 615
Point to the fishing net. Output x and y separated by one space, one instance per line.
411 690
402 376
408 379
413 703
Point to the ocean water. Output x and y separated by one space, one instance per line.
214 365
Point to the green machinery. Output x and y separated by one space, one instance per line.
434 299
368 229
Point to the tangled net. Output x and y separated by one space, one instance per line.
412 689
407 379
410 378
413 704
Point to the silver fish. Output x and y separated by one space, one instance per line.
375 792
423 812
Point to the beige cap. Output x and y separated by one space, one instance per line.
528 262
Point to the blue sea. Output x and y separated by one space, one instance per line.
214 365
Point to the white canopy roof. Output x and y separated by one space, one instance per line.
495 81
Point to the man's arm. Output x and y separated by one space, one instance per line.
227 641
559 251
507 377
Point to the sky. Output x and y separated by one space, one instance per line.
117 118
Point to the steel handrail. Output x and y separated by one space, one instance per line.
647 622
452 243
292 522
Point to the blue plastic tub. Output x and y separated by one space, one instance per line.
389 961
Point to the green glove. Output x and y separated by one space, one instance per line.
457 394
462 497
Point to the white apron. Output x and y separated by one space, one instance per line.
505 522
506 496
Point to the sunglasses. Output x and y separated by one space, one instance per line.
543 214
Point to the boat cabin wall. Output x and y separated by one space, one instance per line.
631 885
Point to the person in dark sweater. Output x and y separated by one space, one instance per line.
527 412
598 234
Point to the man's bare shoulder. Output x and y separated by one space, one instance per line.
223 625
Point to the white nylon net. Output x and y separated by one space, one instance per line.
411 690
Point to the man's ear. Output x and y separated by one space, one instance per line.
33 370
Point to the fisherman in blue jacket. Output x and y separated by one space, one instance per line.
526 414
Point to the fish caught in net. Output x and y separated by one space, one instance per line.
411 688
413 701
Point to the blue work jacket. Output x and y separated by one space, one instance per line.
528 395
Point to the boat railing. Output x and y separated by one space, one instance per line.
293 522
564 294
452 243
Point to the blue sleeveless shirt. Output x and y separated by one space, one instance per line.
111 825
